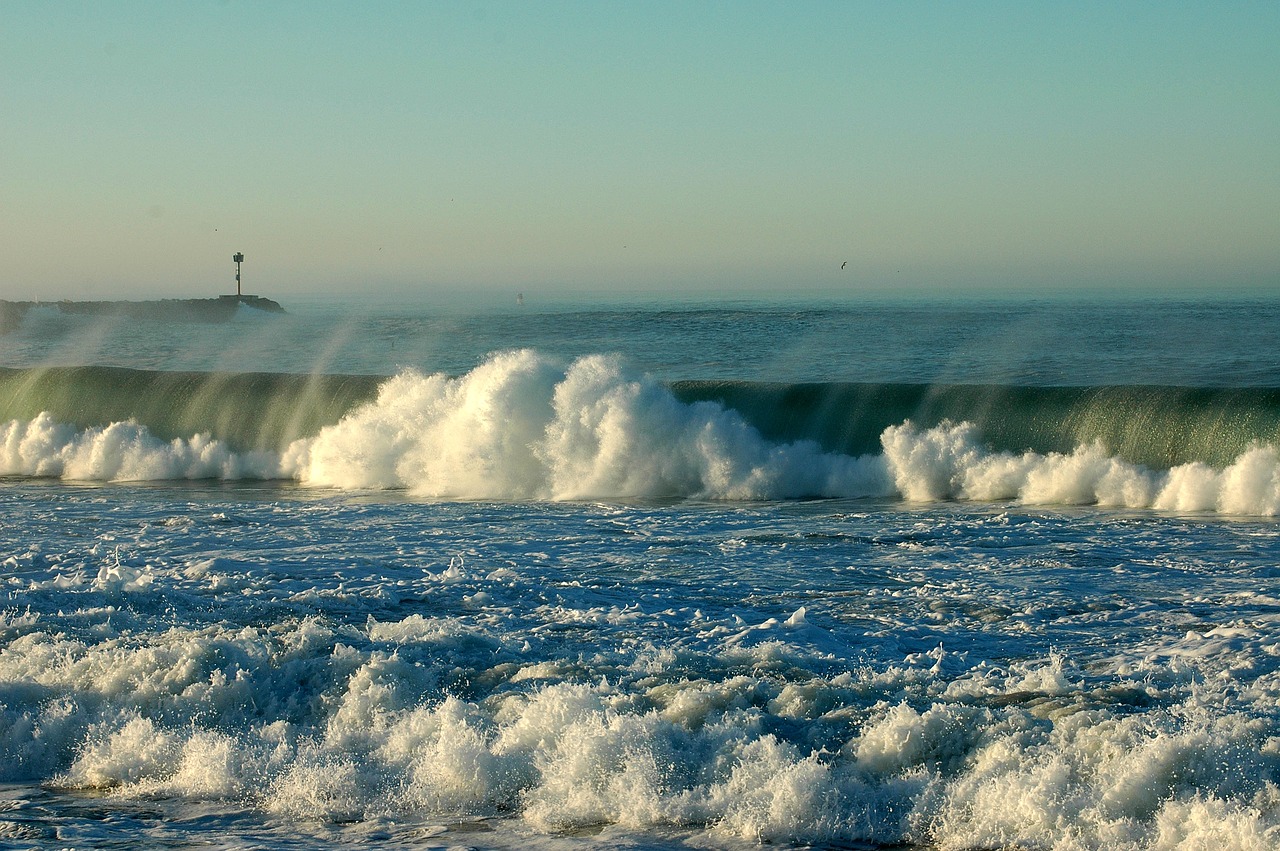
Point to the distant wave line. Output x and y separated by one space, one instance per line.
1157 426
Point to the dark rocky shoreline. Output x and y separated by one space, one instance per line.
219 309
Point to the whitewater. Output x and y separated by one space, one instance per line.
904 574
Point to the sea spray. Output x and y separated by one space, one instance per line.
244 411
949 462
121 451
525 426
1159 427
522 426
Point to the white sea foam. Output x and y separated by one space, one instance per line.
122 451
523 426
334 685
986 772
950 462
274 666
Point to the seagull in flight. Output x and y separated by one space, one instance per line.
845 263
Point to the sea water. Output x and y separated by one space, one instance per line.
937 574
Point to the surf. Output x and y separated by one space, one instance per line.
527 426
245 411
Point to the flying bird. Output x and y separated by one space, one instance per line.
845 263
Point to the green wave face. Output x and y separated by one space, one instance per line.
1159 427
263 411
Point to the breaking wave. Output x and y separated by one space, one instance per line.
523 426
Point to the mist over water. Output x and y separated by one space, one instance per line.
940 576
1016 342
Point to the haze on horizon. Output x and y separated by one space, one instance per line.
655 146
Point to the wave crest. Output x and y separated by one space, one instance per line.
121 451
949 462
524 426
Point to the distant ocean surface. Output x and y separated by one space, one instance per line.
897 574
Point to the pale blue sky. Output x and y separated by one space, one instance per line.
648 146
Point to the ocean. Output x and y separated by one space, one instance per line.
927 574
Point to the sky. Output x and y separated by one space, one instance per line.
684 147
